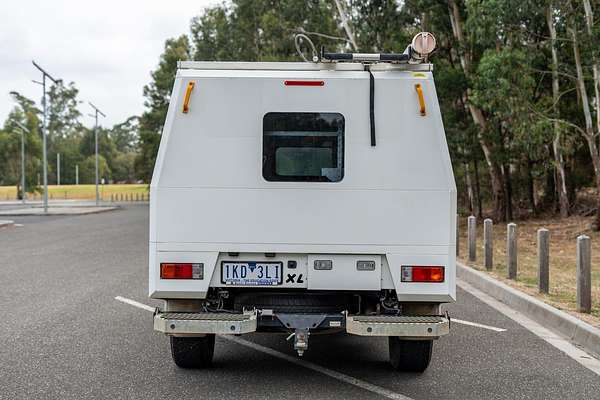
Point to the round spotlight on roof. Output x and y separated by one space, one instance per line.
423 44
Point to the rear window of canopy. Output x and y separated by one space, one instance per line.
303 147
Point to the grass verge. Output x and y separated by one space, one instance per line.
79 192
563 238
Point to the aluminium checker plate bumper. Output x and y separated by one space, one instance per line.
408 326
185 323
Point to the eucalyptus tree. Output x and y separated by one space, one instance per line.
157 94
26 114
580 24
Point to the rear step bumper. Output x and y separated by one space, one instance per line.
180 323
429 326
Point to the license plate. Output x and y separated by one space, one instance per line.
251 273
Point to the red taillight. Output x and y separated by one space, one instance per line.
181 271
304 83
413 273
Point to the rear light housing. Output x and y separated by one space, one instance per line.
323 265
181 270
422 273
365 265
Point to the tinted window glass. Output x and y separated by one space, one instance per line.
303 147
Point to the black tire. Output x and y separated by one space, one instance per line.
193 352
410 355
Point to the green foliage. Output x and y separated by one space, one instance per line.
157 95
381 26
502 70
87 170
123 167
70 156
158 92
26 114
261 30
124 135
65 136
62 110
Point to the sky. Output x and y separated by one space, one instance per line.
108 48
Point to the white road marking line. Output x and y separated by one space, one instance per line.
303 363
325 371
561 343
463 322
135 303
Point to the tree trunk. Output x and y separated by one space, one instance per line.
477 190
561 176
508 193
589 129
495 170
596 163
531 187
589 21
559 163
346 25
469 188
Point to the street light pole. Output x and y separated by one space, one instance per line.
58 169
23 167
96 112
44 155
23 130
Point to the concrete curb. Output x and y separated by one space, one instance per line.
5 224
579 332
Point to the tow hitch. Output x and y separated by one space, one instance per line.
300 340
303 323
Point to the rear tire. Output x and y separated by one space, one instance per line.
193 352
410 355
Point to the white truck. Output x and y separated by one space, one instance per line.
304 198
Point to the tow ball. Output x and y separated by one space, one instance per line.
300 340
301 324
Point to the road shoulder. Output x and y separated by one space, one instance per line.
574 329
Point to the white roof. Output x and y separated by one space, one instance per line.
300 66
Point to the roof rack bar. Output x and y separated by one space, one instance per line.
365 57
422 45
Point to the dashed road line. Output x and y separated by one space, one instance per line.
135 303
491 328
317 368
300 362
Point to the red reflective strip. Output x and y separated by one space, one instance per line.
304 83
176 271
427 274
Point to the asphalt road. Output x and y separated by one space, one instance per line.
64 336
